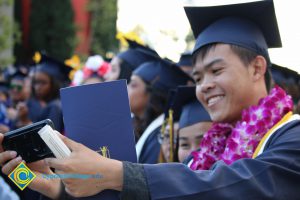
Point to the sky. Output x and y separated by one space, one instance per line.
164 20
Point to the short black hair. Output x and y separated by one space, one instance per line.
245 55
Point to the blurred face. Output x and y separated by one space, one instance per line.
165 141
27 87
92 80
3 97
224 84
138 96
17 90
114 73
41 85
187 69
190 138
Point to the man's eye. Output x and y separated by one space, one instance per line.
184 145
197 80
216 71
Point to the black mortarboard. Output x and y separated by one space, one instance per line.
186 105
193 113
162 75
54 68
282 75
18 74
250 25
170 102
138 54
185 59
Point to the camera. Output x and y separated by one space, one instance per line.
27 142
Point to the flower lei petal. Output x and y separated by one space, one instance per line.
227 143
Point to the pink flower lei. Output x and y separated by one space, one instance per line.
227 143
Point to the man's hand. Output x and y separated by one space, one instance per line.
102 173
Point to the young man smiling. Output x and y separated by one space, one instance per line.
252 151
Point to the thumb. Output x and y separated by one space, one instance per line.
70 143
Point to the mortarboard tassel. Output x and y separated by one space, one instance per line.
171 134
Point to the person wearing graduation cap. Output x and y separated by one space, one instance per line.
150 83
124 63
251 152
48 77
287 79
194 122
19 92
5 121
185 62
186 121
17 87
169 131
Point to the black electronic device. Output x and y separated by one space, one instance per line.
27 142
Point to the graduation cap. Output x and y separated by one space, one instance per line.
53 67
162 75
169 105
184 107
138 54
185 59
250 25
282 75
18 74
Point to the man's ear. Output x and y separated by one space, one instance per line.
259 68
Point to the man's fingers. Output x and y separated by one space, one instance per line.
70 143
57 164
7 155
11 165
72 192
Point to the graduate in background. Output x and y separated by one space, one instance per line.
194 122
124 63
152 80
49 76
19 92
186 122
5 121
17 88
167 137
185 63
289 80
94 70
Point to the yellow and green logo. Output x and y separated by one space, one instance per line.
22 176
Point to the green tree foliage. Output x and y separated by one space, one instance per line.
6 32
52 28
103 26
20 52
190 40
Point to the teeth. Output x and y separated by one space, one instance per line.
213 100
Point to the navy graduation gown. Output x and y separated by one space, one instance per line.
274 174
151 148
51 111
